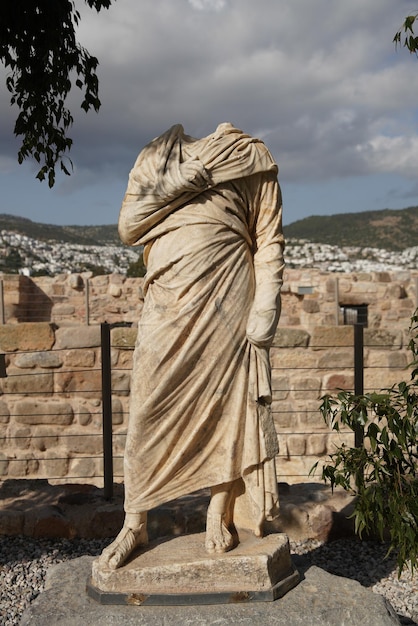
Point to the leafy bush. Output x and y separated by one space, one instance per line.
136 268
382 474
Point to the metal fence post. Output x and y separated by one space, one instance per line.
87 302
107 411
2 316
358 376
416 292
337 301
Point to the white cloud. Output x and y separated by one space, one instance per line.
384 154
208 5
320 81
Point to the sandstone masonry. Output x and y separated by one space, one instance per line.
51 403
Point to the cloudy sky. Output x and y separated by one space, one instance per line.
318 80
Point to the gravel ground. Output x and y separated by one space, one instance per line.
24 562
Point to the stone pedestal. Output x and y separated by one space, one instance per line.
179 571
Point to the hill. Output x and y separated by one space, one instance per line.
86 235
388 228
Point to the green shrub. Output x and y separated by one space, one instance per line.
382 474
136 268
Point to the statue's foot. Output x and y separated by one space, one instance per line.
122 547
218 537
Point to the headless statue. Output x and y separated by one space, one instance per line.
208 213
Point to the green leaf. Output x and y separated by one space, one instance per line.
39 46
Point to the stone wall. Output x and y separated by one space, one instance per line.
306 366
70 298
310 298
51 408
51 405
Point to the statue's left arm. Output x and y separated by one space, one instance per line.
268 261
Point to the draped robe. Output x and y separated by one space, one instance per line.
200 391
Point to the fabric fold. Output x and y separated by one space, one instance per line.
208 212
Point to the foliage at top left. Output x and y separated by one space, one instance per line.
39 48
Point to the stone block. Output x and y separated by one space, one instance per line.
114 357
5 435
378 379
68 338
362 276
4 412
336 358
76 282
88 443
125 359
388 359
23 465
295 519
333 383
83 414
374 320
49 522
394 291
117 411
83 467
304 387
331 285
30 360
310 305
280 387
36 382
397 360
99 281
54 465
332 337
115 291
46 412
181 566
43 439
124 337
382 339
85 383
296 444
321 519
11 522
382 277
290 338
4 464
121 382
26 336
311 417
283 414
291 320
58 289
79 358
21 438
106 518
66 310
316 445
286 359
111 310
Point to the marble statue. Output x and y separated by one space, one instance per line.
208 213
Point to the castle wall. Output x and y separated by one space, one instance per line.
51 405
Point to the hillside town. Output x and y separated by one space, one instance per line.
30 257
34 257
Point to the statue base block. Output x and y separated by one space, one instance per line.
180 572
